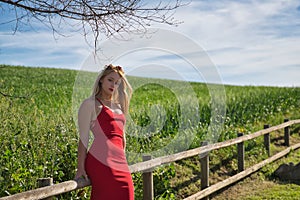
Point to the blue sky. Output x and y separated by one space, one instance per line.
249 42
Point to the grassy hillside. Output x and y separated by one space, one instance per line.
39 137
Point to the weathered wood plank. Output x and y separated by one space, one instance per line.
204 164
43 182
193 152
241 175
148 189
241 154
267 140
71 185
286 134
48 191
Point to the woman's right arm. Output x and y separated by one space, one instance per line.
84 120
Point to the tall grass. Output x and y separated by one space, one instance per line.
39 137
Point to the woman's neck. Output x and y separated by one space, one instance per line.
105 97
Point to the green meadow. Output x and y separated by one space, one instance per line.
39 136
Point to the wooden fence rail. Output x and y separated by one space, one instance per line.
210 190
148 165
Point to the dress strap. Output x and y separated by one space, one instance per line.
99 101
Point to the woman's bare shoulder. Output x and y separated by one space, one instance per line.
89 100
88 103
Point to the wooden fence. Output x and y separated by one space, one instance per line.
149 164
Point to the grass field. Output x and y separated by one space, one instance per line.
39 136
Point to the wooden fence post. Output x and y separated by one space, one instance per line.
267 140
148 192
42 182
241 154
204 161
287 134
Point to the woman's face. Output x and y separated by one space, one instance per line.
110 83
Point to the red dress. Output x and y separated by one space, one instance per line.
106 163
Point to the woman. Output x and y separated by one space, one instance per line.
104 114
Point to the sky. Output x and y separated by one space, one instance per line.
245 42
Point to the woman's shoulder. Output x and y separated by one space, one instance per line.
88 102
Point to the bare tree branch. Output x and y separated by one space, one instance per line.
106 17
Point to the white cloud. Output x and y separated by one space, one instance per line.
251 42
247 38
42 49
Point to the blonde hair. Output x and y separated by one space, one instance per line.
124 92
